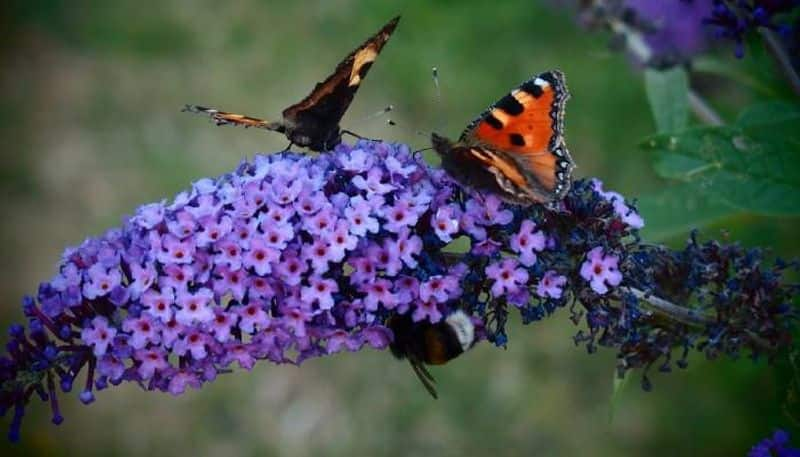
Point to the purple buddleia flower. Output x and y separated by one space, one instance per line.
292 257
601 270
673 29
775 446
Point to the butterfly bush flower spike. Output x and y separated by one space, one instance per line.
291 257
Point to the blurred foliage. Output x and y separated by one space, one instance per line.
90 121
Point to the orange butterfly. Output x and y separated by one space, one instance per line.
515 148
314 121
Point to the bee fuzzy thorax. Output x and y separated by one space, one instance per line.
464 329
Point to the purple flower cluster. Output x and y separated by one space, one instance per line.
657 32
673 29
733 19
775 446
291 257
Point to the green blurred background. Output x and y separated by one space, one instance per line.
90 125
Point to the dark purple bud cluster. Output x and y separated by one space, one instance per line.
733 19
775 446
291 257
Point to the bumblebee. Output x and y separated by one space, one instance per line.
432 344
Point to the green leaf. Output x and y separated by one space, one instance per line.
752 165
771 121
733 70
679 209
668 93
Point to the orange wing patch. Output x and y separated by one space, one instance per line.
520 122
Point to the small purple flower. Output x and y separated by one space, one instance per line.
340 241
439 289
356 160
98 335
291 269
181 380
551 285
358 214
527 242
230 281
194 343
260 256
276 235
399 216
222 324
506 276
252 317
379 292
100 281
151 361
213 230
176 276
182 225
111 367
176 251
408 246
143 330
240 354
340 339
373 184
445 222
319 254
628 215
320 292
601 270
194 307
427 310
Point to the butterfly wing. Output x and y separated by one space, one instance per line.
520 140
225 118
317 116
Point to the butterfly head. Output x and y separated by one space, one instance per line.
441 144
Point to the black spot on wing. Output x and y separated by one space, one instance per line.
510 105
532 88
494 122
516 139
550 77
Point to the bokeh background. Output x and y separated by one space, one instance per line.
90 128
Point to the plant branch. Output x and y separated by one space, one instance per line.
670 310
784 61
703 110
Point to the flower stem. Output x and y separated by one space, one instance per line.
784 61
670 310
703 110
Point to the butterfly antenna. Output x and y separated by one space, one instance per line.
435 74
438 97
380 113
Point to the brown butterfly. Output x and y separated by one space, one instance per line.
515 148
314 121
